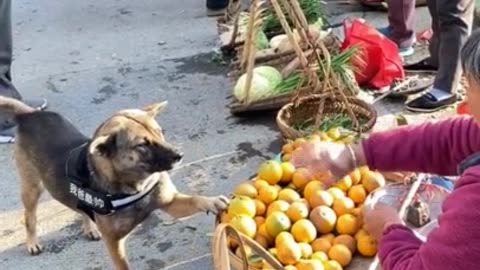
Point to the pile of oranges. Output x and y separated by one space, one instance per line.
303 223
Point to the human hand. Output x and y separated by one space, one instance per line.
379 218
317 157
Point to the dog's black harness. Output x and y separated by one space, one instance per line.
91 201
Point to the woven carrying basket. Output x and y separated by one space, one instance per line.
224 258
306 108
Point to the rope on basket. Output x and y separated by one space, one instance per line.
220 253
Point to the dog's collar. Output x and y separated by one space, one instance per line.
80 175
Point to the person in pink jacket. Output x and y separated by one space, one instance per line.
448 147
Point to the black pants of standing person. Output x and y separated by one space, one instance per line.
7 127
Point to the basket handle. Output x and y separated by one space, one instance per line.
220 254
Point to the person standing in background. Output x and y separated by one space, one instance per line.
451 24
7 127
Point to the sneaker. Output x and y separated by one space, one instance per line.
406 51
402 51
39 104
7 135
428 103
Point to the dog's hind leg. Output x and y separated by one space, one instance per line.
31 191
90 229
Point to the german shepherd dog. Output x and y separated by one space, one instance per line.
115 179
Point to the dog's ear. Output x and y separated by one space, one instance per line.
108 145
154 109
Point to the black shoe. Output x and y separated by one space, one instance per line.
428 103
7 135
423 65
216 7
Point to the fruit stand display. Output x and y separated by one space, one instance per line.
299 219
285 218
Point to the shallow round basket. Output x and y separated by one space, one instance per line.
308 108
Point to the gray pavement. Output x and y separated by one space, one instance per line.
91 58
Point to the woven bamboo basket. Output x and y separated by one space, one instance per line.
307 108
300 60
224 258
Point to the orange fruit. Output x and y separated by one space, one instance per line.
309 265
347 224
259 183
306 249
357 193
364 170
248 251
255 261
259 220
270 171
276 223
315 138
278 188
283 237
245 189
274 252
297 211
277 206
262 241
343 206
341 254
344 184
287 172
323 218
336 192
245 225
287 148
332 265
260 207
300 178
356 177
306 203
262 231
289 253
334 133
268 194
225 217
299 142
319 198
330 237
321 245
360 233
304 231
372 180
320 256
311 188
367 246
286 157
288 267
288 195
242 205
346 240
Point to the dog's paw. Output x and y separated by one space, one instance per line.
34 248
217 205
92 234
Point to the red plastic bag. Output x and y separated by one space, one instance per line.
377 63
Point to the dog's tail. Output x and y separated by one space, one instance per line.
14 106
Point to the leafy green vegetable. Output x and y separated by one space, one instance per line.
341 120
340 65
313 10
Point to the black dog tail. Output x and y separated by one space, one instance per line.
14 106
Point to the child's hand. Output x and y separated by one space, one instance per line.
378 219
